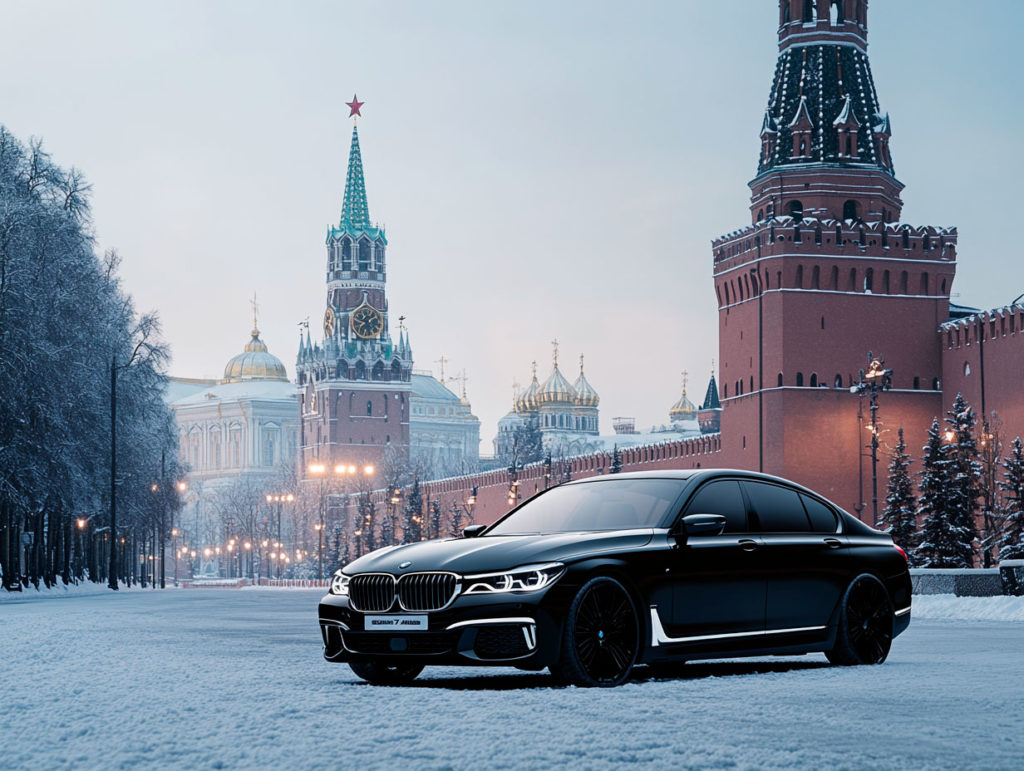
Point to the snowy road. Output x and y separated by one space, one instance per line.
222 679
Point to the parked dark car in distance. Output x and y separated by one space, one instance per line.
593 577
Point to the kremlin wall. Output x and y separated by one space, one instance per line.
825 273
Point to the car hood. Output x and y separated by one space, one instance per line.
487 553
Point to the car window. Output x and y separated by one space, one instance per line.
606 504
778 509
823 519
721 497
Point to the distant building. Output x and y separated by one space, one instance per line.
444 434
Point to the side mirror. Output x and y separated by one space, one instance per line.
700 524
474 530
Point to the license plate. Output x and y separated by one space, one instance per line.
395 623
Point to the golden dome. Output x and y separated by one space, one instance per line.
527 400
556 389
586 396
683 409
254 363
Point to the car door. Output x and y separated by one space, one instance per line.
718 582
803 566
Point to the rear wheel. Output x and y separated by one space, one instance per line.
865 624
379 673
601 637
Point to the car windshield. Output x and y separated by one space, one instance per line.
608 504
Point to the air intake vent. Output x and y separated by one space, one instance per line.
374 592
426 591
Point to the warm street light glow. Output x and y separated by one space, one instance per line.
368 470
81 523
341 468
207 552
174 532
182 487
154 488
289 498
949 435
248 546
317 468
318 527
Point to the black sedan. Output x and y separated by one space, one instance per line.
593 577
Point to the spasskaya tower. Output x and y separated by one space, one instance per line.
355 384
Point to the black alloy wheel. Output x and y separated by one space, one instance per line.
865 624
601 637
381 673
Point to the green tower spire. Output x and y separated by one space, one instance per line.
355 212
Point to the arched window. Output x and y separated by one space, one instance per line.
906 238
364 254
725 388
796 210
836 12
369 407
760 215
796 235
346 254
834 282
924 283
816 277
943 291
751 382
814 380
903 282
727 300
838 382
852 285
780 380
360 370
822 322
810 12
885 282
817 234
967 368
799 379
798 282
936 383
839 235
917 383
869 280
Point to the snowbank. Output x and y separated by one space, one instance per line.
84 589
949 607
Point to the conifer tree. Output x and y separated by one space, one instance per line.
934 549
965 469
1011 545
616 460
899 518
412 515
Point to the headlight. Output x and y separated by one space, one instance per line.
339 584
529 578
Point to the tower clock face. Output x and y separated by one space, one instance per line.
329 322
367 321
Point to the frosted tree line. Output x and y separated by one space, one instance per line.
88 455
969 506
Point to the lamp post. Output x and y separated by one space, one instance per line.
280 499
320 470
513 484
875 380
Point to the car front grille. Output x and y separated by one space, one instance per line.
500 642
374 592
426 591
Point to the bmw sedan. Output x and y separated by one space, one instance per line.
594 577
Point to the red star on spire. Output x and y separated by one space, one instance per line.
353 106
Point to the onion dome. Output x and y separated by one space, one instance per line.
683 409
527 400
586 396
556 388
254 363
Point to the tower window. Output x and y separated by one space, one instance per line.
810 12
903 282
798 283
917 383
869 280
816 279
796 208
885 282
814 380
780 380
838 382
924 283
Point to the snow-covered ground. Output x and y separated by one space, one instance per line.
234 679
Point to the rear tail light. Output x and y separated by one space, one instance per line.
902 553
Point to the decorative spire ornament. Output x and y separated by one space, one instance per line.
554 356
255 315
354 106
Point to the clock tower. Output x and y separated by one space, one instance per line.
355 385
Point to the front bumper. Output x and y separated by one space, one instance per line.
475 630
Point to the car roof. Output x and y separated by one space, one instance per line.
699 474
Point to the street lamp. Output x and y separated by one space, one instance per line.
340 470
280 499
876 379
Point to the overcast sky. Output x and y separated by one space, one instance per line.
544 169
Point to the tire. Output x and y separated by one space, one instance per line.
379 673
601 636
864 635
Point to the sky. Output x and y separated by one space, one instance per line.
545 170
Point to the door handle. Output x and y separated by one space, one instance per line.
747 544
833 543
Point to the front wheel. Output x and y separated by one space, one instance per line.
379 673
865 624
601 637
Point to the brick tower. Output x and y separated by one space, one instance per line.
355 385
827 272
